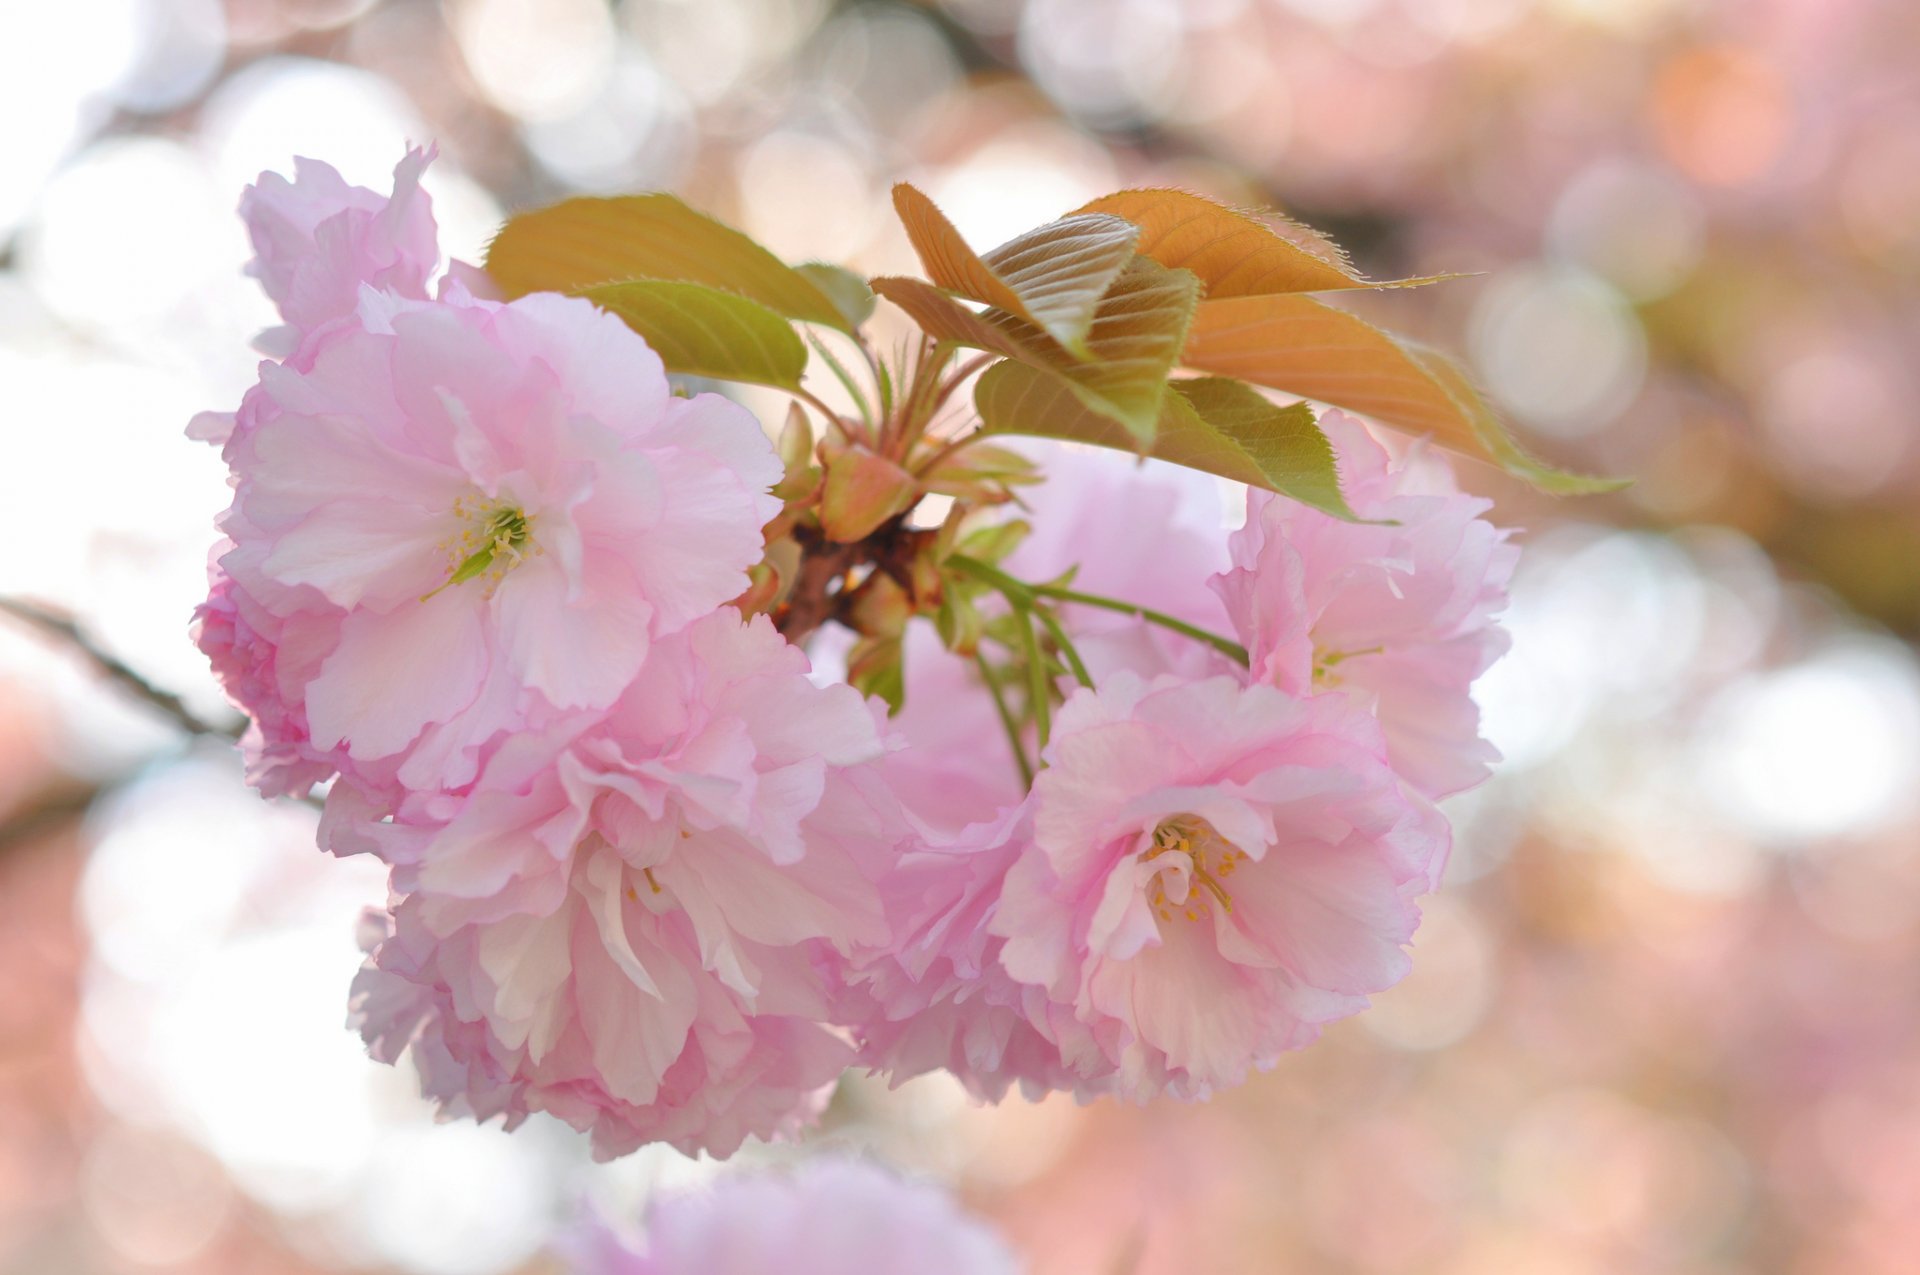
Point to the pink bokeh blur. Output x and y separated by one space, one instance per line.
1664 1015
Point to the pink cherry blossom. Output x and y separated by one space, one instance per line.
641 927
1401 617
1216 872
601 1013
251 648
825 1217
485 513
317 240
937 996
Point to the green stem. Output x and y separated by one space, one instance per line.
845 378
1039 690
832 418
1006 719
1015 589
1060 640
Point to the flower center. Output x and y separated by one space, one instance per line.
1326 664
494 541
1210 860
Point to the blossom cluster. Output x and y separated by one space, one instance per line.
494 582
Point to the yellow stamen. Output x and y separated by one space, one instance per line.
1195 838
495 541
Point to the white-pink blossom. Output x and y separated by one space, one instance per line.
937 996
641 924
1217 871
1398 614
317 240
485 513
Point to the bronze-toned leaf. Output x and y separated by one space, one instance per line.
1306 347
1053 276
1138 330
1236 254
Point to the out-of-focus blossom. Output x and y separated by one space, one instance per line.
828 1217
641 930
476 515
317 240
938 997
955 768
245 641
1399 616
1217 871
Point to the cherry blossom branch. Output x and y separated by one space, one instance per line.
64 629
809 604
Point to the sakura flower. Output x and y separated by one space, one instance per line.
489 511
640 927
317 240
1217 871
602 1014
937 996
826 1217
251 648
1401 617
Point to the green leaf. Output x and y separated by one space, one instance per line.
1306 347
1138 331
1217 426
1230 425
958 620
847 290
1236 254
1053 277
996 541
706 332
581 243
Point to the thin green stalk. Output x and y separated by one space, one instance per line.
1015 589
842 375
832 419
883 379
992 680
1066 646
1039 685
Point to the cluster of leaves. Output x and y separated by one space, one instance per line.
1091 314
1149 321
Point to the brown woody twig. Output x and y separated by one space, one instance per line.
63 629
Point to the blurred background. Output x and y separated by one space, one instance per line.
1665 1017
